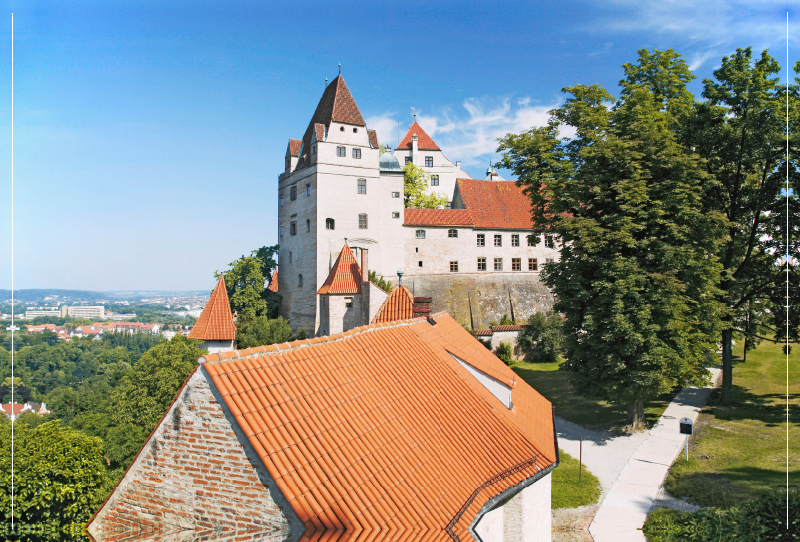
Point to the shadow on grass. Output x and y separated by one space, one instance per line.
727 487
769 408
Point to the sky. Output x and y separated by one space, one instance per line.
148 136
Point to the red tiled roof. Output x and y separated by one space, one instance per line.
294 147
336 105
508 328
496 204
437 217
380 429
483 332
398 306
273 282
373 138
424 141
319 130
216 321
345 275
12 409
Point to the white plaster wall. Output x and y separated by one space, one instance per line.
219 346
375 299
507 337
490 527
536 513
497 388
444 168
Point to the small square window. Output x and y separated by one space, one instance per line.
341 128
348 302
531 239
516 264
395 215
362 186
281 201
356 153
341 151
498 264
481 240
498 240
452 233
293 193
549 260
533 264
308 190
514 240
330 224
429 161
454 267
395 194
481 264
408 159
434 180
548 241
420 234
362 221
420 263
355 130
293 228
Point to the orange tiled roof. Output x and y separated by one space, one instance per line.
398 306
294 147
373 138
273 282
380 429
509 328
12 409
216 321
424 141
345 275
496 204
437 217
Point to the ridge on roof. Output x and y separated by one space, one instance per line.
424 141
345 275
216 321
398 306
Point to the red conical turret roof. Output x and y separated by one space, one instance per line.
216 321
345 275
424 141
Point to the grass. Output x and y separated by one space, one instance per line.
738 451
589 413
566 491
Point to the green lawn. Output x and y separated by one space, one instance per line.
567 492
590 413
739 451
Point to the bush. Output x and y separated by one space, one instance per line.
380 282
755 521
505 352
542 339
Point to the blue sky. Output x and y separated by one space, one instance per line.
148 136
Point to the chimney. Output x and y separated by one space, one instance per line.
458 164
414 149
364 265
422 306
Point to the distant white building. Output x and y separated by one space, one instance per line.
90 312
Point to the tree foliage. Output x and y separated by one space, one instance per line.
261 331
542 340
415 190
638 273
380 282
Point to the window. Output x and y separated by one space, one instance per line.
498 264
396 215
434 180
293 193
356 153
514 240
362 221
299 281
548 241
308 224
341 151
281 201
498 240
308 190
408 159
420 234
395 194
330 224
420 263
313 149
362 186
452 233
429 161
293 228
290 256
516 264
481 240
348 302
533 265
281 232
341 128
481 264
549 260
416 249
454 267
355 130
531 239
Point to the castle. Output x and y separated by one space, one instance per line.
339 192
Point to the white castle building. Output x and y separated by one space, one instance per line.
474 259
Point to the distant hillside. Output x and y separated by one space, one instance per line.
70 296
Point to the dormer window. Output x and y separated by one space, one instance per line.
500 390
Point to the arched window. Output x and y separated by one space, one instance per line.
299 281
330 224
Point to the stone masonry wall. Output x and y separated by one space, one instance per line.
197 472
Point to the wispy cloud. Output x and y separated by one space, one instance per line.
469 132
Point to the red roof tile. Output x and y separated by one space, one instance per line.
12 409
437 217
216 321
398 306
273 282
381 429
345 275
373 138
496 204
424 141
294 147
508 328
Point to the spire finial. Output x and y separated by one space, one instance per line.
340 68
326 82
414 114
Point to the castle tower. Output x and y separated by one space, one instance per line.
215 325
333 189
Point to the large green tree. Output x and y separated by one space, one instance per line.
245 282
415 191
637 276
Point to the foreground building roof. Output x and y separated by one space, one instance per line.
398 306
216 321
494 204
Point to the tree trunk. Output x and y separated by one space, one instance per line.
727 366
744 356
636 416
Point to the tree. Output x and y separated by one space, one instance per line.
638 268
380 282
505 352
261 331
415 186
542 339
245 283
